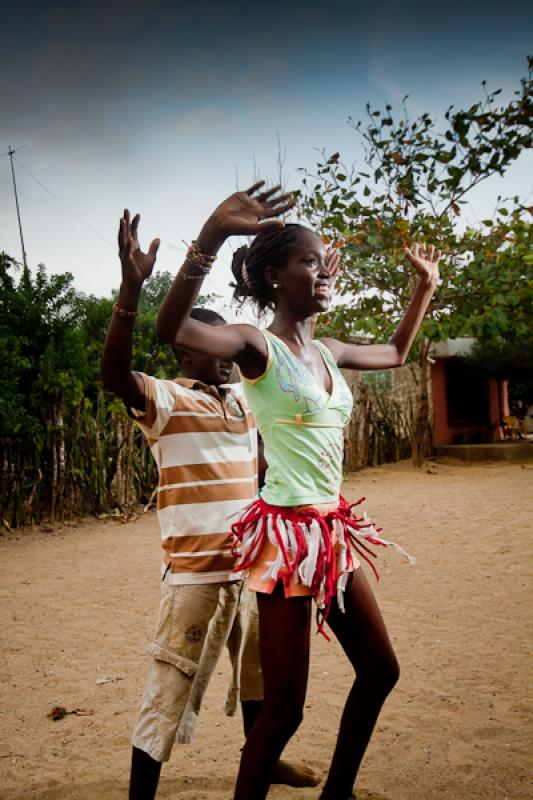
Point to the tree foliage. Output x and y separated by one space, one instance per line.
417 179
67 446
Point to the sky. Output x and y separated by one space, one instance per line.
167 109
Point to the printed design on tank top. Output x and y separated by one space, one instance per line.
329 463
296 379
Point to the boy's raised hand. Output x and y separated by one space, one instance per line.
136 265
247 213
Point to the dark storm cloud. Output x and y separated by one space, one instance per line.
87 81
74 69
160 104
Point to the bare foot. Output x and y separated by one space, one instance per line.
291 775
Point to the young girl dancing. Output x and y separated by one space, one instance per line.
300 539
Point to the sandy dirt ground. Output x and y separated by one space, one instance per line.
79 602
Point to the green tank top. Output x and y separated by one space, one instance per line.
302 426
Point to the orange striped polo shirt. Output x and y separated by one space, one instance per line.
204 441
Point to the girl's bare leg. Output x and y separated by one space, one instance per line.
363 636
284 630
284 772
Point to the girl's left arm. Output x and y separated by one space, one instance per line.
394 354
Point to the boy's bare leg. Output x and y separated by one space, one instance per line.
144 775
284 772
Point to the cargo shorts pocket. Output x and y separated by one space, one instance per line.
184 616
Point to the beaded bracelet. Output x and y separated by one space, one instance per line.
188 277
123 312
203 261
205 270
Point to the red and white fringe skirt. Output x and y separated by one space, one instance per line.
314 549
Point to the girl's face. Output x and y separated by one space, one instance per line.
305 280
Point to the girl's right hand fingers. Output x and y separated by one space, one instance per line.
268 193
332 263
266 225
287 197
280 205
254 187
332 258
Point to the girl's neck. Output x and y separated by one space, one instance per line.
299 332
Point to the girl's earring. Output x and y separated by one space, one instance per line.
275 285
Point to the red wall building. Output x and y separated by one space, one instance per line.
467 408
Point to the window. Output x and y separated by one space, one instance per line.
467 395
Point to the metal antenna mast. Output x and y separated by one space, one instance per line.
10 153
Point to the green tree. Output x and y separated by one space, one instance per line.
67 446
45 369
417 180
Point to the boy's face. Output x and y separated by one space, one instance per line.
212 371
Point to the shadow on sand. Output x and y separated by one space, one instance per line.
186 787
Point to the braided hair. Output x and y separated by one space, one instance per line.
268 249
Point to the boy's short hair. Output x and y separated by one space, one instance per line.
206 315
202 315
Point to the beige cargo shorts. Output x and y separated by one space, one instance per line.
195 623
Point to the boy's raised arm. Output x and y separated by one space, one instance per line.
137 266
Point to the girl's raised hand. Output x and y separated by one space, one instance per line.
247 213
425 259
136 265
331 263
